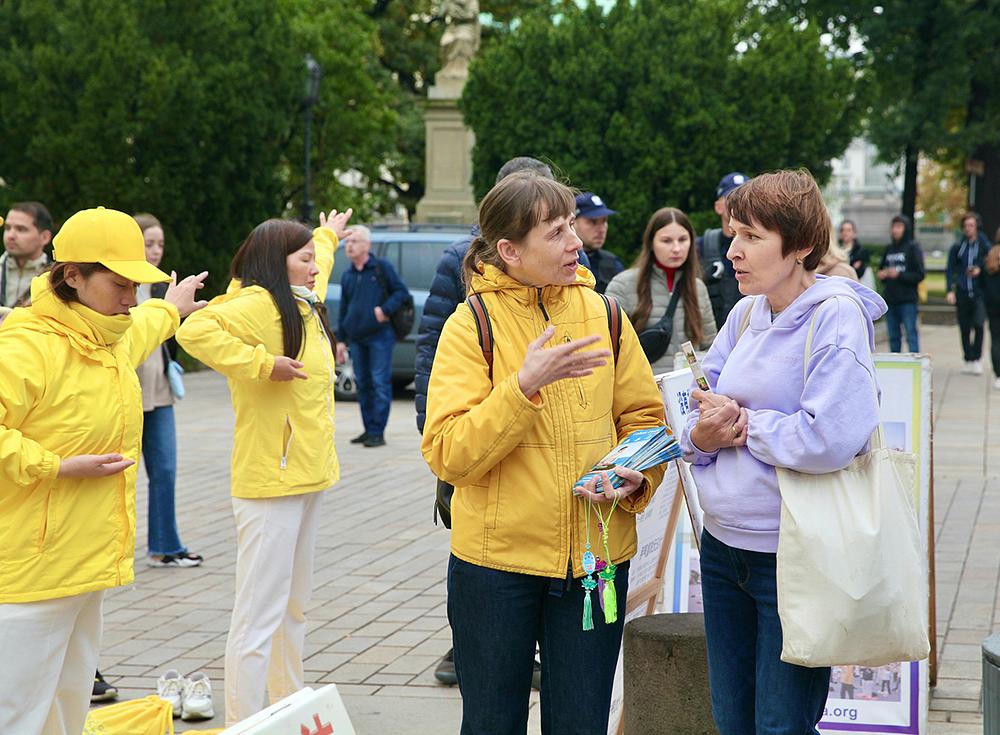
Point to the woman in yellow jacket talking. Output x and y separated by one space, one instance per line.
514 439
70 425
269 336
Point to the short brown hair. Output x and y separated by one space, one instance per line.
510 210
39 214
789 203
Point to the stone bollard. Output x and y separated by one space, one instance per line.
666 676
991 685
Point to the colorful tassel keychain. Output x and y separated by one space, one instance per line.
588 582
609 597
606 574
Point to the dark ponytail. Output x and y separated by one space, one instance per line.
480 251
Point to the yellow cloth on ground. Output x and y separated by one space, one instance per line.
147 716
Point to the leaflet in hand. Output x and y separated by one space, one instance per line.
640 450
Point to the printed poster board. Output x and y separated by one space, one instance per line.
862 700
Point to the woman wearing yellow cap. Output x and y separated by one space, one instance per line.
70 425
269 336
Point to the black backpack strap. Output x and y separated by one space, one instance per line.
614 311
483 327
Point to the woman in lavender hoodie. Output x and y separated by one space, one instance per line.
768 410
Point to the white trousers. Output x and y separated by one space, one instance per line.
48 656
276 541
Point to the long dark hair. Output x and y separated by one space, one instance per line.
646 262
262 261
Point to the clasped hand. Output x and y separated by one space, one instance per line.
608 494
722 422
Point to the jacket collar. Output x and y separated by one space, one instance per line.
490 278
86 329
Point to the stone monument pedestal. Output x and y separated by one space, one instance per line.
448 161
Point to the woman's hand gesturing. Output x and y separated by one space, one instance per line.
337 221
181 294
544 365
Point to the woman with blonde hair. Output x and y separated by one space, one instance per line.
835 262
666 273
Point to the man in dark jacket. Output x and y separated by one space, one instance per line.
371 291
592 229
446 293
964 280
717 270
901 269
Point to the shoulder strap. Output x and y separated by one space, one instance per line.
614 311
711 243
878 436
3 279
668 315
478 306
379 276
745 322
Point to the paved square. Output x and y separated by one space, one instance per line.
378 624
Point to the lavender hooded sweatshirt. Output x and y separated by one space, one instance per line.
817 424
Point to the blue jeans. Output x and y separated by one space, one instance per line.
497 617
753 691
159 451
905 315
372 359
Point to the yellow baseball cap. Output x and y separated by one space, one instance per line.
108 237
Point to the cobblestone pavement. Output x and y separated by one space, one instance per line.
377 623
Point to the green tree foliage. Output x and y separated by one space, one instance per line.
187 110
650 103
934 66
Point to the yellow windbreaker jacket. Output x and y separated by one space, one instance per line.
283 441
513 461
68 387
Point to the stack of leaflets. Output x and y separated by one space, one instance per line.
640 450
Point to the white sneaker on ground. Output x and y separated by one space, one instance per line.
967 368
197 698
170 686
996 384
977 367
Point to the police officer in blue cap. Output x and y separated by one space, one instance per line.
592 228
717 271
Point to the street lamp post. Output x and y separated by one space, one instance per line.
313 74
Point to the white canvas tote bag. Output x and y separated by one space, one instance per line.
850 566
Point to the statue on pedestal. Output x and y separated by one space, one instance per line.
459 42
